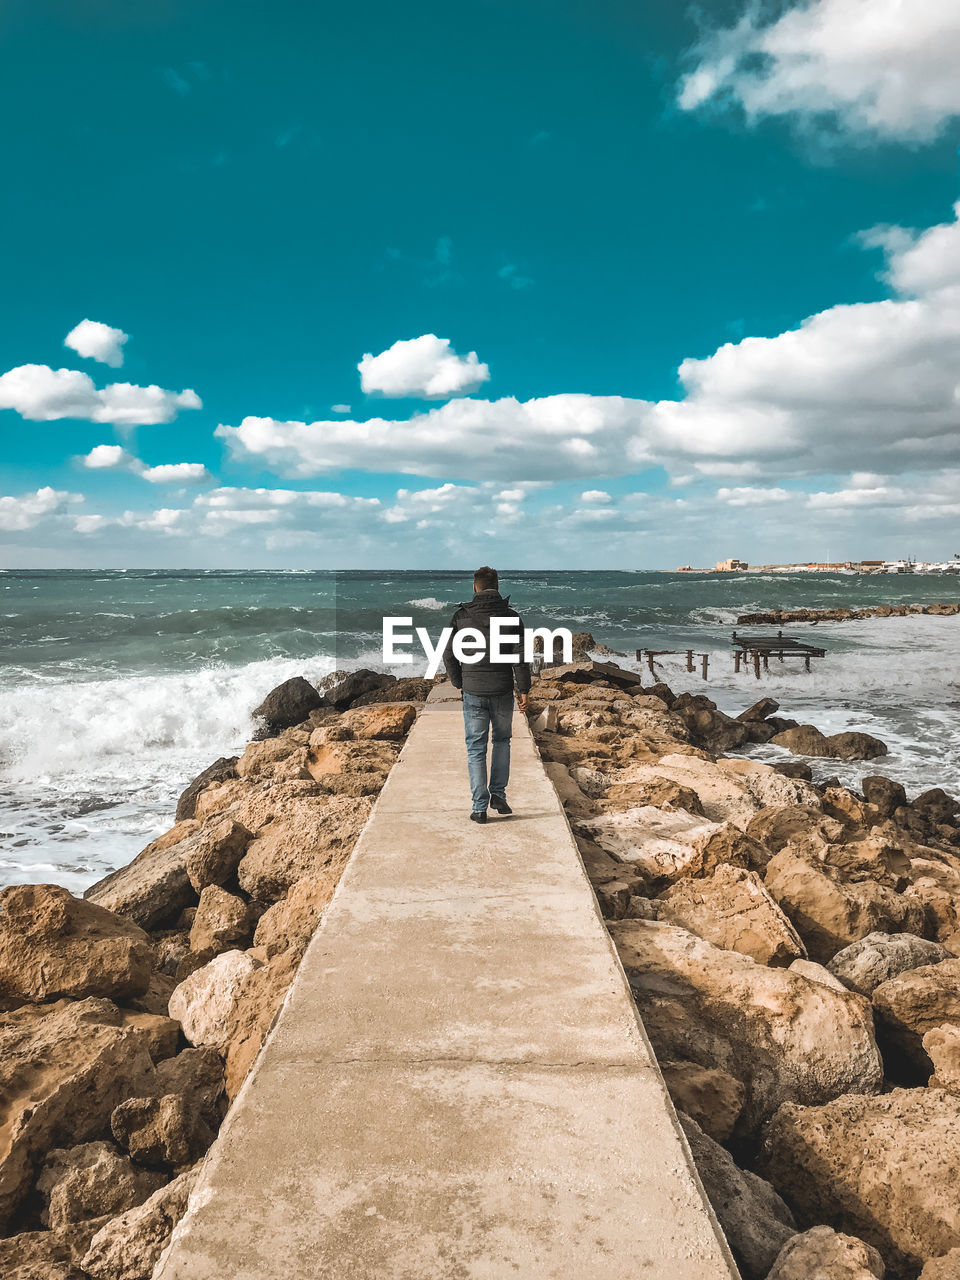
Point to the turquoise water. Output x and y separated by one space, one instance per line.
115 688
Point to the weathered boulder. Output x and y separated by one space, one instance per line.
885 1168
91 1181
167 1130
205 1002
63 1069
292 921
886 794
154 887
129 1246
53 944
828 911
915 1002
712 1097
807 740
784 1037
946 1267
942 1047
288 704
824 1254
223 922
732 909
219 771
707 725
390 720
755 1220
214 853
866 963
341 689
309 839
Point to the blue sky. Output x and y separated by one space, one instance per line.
583 195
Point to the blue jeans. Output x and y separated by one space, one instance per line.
483 713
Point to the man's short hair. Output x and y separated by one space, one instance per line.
485 579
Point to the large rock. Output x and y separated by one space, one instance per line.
309 839
884 1168
733 910
223 922
91 1181
755 1220
167 1131
942 1047
288 704
783 1036
824 1254
915 1002
154 887
829 911
129 1246
214 853
63 1069
53 944
219 771
205 1003
390 720
865 964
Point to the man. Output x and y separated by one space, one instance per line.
488 692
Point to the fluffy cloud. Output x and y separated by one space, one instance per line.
97 341
876 67
113 457
17 514
42 394
425 367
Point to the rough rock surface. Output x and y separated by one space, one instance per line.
53 944
865 964
754 1219
784 1037
824 1254
154 887
885 1168
91 1181
63 1069
288 704
916 1002
205 1002
733 910
829 911
129 1246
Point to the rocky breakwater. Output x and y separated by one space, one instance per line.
130 1017
793 950
780 616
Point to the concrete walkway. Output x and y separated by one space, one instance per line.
458 1087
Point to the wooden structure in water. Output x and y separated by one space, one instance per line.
758 650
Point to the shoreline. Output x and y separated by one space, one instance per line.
692 852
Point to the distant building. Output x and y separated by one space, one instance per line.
729 566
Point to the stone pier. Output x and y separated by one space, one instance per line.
458 1086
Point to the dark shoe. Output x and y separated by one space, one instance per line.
478 815
500 804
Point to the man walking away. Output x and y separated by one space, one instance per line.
488 692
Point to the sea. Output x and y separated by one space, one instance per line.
116 688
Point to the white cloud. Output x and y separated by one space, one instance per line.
595 495
425 367
882 68
17 514
41 394
96 341
113 457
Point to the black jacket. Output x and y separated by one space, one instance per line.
486 676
